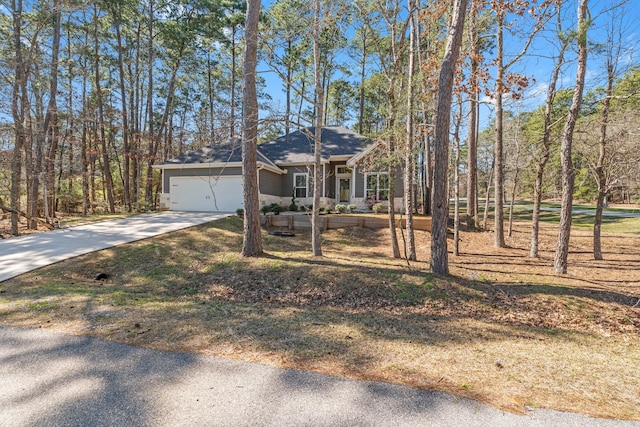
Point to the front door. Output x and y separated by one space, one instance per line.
344 190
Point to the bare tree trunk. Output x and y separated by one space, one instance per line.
287 114
425 166
600 175
456 188
392 206
252 238
546 141
164 121
84 155
232 125
126 149
136 120
504 8
27 216
512 202
92 168
18 110
152 148
210 98
516 172
472 155
106 169
498 231
85 164
363 65
70 133
485 215
50 127
439 255
33 162
316 243
428 170
564 232
391 149
410 244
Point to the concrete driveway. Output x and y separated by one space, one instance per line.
26 253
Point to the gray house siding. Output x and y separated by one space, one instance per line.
287 180
399 189
168 173
359 184
330 186
359 188
271 183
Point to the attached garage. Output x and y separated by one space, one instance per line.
206 193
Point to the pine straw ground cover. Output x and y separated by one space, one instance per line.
503 329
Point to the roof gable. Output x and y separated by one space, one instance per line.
228 151
299 147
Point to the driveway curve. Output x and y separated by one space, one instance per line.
22 254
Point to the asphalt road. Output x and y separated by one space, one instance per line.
580 210
54 379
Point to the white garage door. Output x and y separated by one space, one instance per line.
206 194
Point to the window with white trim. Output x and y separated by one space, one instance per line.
377 186
300 184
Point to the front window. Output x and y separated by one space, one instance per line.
377 186
300 184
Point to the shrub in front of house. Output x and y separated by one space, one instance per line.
275 208
351 207
340 208
371 202
293 207
378 207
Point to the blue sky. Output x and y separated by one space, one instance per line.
539 61
626 26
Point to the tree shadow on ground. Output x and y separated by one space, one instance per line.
57 379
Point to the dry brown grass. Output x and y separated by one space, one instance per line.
502 329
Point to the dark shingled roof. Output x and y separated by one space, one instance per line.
336 141
228 151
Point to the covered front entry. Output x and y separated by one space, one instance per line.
206 193
344 190
344 177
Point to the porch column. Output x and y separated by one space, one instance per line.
259 169
324 180
353 184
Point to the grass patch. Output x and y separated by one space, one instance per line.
502 328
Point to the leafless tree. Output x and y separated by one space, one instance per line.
439 255
252 238
568 178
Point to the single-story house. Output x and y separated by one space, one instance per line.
210 179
